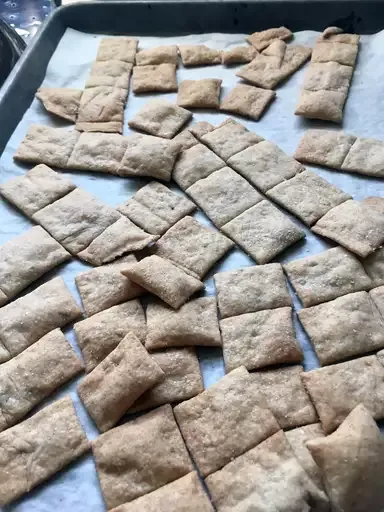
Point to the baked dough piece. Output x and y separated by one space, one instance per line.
185 139
248 101
157 55
203 93
117 48
62 102
377 295
374 267
158 78
110 73
261 40
201 128
238 55
198 55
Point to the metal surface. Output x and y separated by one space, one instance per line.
25 16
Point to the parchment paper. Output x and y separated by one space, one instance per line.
76 489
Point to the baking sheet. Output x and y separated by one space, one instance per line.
76 489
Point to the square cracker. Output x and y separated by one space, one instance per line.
263 231
342 53
102 109
147 155
266 478
114 385
118 48
185 139
47 145
336 390
160 118
62 102
326 276
285 395
194 164
198 55
164 279
195 323
140 456
261 40
159 78
327 76
46 443
36 189
203 93
98 335
374 266
308 196
224 421
355 225
248 101
223 195
155 208
366 156
110 73
157 55
251 289
265 165
260 339
322 104
186 493
182 379
238 55
105 286
192 246
76 219
230 138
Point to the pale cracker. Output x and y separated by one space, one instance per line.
248 101
157 55
62 102
366 156
323 104
238 55
377 295
185 139
201 128
263 39
159 78
374 267
118 48
102 110
110 73
203 93
342 53
198 55
336 34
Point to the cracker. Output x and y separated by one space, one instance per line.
323 104
62 102
160 277
251 289
366 156
335 34
39 447
104 287
185 140
186 494
47 145
230 138
355 225
377 295
182 379
336 390
98 335
201 128
203 93
238 55
195 323
248 101
160 78
34 374
117 239
26 258
146 155
326 276
260 339
223 195
117 48
113 386
266 478
261 40
192 246
194 164
308 196
160 118
342 53
328 76
30 317
140 456
263 232
157 55
374 267
155 208
198 55
102 110
285 395
36 189
110 73
265 165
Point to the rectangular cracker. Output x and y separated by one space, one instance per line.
36 189
60 101
326 276
192 246
238 55
202 93
374 267
164 279
325 105
110 73
119 48
158 78
223 195
228 417
355 225
251 289
337 389
140 456
265 165
113 386
30 317
342 53
34 374
39 447
182 379
263 231
308 196
105 286
266 478
201 128
195 323
198 55
26 258
285 395
157 55
366 156
248 101
260 339
155 208
102 109
261 40
98 335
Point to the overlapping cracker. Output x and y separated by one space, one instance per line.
157 55
117 48
201 128
261 40
203 93
238 55
198 55
62 102
154 78
248 101
185 139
